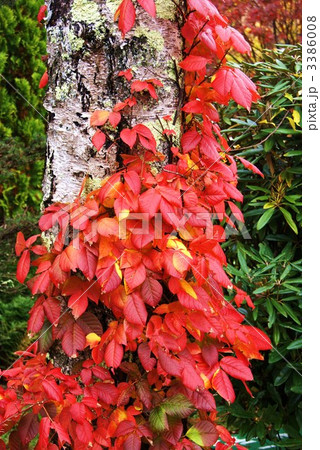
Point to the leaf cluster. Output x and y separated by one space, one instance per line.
147 319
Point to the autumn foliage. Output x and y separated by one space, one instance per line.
148 317
266 22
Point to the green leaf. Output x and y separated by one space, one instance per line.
238 411
286 271
295 344
276 335
290 443
279 307
178 405
297 389
287 215
158 419
291 313
258 188
293 153
274 357
203 433
280 64
45 340
261 430
269 143
283 376
255 313
286 131
292 198
242 260
264 288
264 219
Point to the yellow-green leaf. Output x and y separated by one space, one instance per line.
264 219
287 215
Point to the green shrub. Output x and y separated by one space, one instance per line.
22 124
269 266
22 43
15 300
22 150
13 326
21 173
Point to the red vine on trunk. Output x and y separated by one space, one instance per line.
134 285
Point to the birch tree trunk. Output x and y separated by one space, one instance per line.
85 54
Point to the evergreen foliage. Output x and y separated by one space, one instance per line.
268 265
22 150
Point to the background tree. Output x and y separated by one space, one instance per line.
265 23
22 152
22 44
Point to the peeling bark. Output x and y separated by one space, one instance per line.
86 52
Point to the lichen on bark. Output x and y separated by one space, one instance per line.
166 9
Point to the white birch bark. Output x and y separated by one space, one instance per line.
85 54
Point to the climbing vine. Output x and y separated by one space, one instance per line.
131 285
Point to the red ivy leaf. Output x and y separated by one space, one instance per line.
125 427
222 384
44 80
99 118
151 291
203 433
28 427
210 354
149 6
144 354
36 319
127 74
190 140
236 368
78 304
170 365
135 276
62 433
114 119
239 43
206 8
107 392
44 431
127 16
98 139
250 166
133 442
190 377
133 180
129 137
194 63
202 399
41 13
135 310
53 391
146 137
149 202
233 83
20 244
73 339
84 432
113 354
23 266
